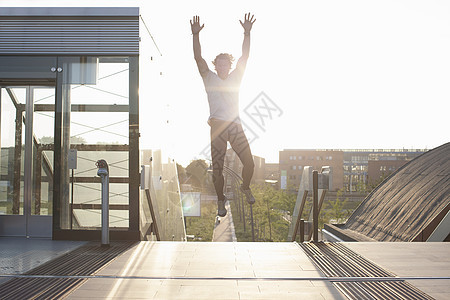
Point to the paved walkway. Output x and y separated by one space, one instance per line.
230 270
414 259
20 255
224 227
221 270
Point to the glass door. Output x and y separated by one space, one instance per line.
26 165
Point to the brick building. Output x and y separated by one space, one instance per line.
353 170
293 161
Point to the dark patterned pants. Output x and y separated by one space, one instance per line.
221 133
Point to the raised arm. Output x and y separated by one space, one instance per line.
201 63
247 25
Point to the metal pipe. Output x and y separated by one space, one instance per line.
103 172
302 230
315 206
253 228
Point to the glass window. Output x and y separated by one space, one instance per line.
96 124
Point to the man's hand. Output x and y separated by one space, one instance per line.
248 23
195 25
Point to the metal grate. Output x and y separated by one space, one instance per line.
83 261
336 260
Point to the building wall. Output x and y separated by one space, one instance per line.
292 163
379 169
233 162
353 170
359 171
260 170
272 172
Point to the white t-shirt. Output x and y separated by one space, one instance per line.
223 95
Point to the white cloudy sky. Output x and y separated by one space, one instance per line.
344 74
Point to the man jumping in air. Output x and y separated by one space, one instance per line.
222 89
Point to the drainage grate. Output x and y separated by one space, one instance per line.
83 261
336 260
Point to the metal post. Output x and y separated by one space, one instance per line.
253 229
243 209
299 215
315 206
103 172
302 230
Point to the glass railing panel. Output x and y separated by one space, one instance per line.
164 196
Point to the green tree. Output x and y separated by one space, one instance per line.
202 227
336 211
196 173
270 214
181 174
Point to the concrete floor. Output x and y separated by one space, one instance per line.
229 270
224 227
20 255
166 270
413 260
200 269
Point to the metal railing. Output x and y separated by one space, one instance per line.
317 184
238 181
103 172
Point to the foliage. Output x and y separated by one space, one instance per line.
202 227
270 214
335 210
196 173
376 183
182 177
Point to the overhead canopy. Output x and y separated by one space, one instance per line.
69 31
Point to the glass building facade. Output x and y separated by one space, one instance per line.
69 97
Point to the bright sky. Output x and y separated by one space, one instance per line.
339 74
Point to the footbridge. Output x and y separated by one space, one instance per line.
166 266
69 97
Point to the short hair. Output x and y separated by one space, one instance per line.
226 56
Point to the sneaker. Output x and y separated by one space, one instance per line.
221 210
248 194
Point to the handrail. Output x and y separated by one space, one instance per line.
103 172
232 173
317 183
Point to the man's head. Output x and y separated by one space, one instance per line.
223 63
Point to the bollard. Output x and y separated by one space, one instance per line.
103 172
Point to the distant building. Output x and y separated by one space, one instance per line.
293 161
233 164
382 165
362 167
352 170
272 174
